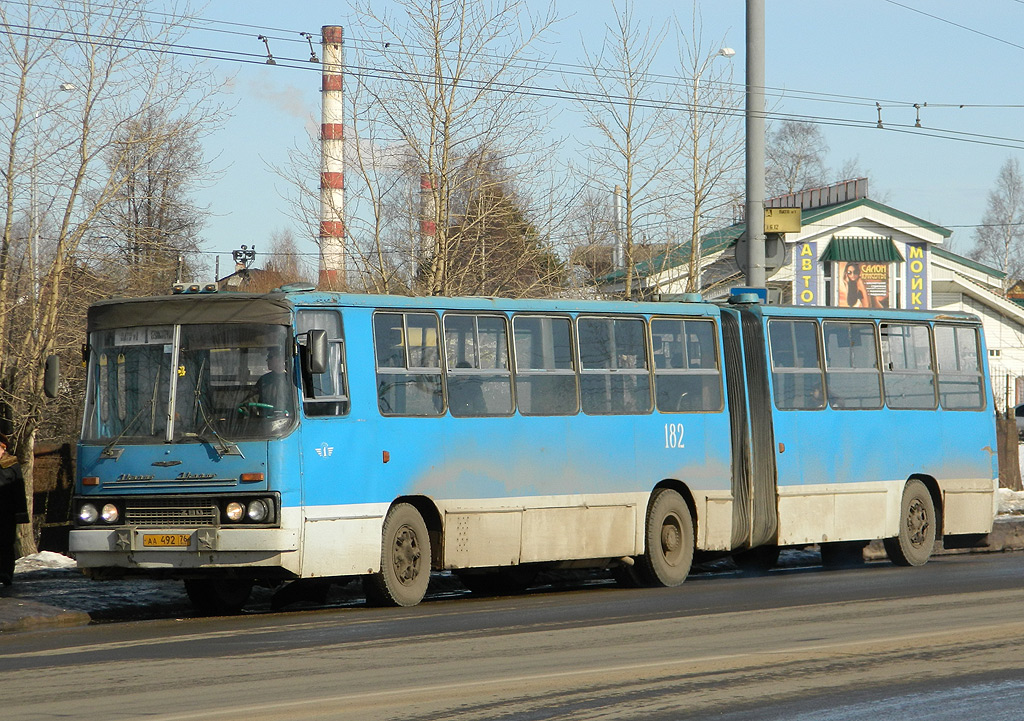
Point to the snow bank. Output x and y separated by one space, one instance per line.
43 560
1011 502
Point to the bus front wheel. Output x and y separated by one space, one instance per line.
404 562
913 546
669 541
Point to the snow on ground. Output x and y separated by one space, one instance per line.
54 579
1011 502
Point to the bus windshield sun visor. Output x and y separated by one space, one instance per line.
173 310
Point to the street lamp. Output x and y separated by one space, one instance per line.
693 274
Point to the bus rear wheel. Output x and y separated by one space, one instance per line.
218 597
404 562
916 539
669 541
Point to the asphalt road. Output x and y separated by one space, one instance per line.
939 642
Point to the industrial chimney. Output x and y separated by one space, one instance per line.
332 154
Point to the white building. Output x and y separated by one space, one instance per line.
854 251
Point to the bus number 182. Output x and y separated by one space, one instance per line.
674 435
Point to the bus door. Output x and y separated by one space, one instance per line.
339 453
803 445
755 515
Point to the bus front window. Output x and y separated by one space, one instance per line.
231 382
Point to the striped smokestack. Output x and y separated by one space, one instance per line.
332 177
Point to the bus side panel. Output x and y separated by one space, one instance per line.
847 469
842 472
692 448
510 490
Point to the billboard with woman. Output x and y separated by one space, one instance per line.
862 285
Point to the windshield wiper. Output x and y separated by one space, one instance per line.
223 447
108 450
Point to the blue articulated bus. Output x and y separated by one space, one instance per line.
240 439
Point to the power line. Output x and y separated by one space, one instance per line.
557 93
202 24
956 24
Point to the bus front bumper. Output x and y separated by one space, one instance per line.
161 547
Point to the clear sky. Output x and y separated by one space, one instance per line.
826 61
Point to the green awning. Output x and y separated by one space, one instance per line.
862 250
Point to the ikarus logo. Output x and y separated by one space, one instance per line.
325 451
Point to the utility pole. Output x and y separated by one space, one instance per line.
755 144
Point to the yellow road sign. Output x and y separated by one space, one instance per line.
782 220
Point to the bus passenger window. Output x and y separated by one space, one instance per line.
961 385
545 373
796 369
686 371
479 379
408 364
851 365
614 375
907 372
324 394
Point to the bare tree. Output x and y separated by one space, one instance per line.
153 220
999 240
384 205
795 158
440 81
588 238
68 99
496 247
285 260
714 143
641 139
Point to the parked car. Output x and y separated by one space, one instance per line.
1018 413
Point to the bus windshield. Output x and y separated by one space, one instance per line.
225 381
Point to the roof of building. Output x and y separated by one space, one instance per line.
723 238
972 264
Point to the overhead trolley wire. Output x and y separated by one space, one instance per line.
581 96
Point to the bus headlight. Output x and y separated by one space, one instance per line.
234 511
110 514
88 514
258 510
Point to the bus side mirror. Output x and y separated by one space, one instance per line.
51 376
316 351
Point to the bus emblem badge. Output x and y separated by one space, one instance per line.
325 451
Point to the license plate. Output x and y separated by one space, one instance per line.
166 540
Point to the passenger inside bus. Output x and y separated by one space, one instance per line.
272 387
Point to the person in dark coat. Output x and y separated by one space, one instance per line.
13 509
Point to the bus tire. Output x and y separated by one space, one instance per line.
669 542
218 597
404 560
916 539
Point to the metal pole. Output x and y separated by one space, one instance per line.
755 144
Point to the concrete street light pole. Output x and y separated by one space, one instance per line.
755 144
